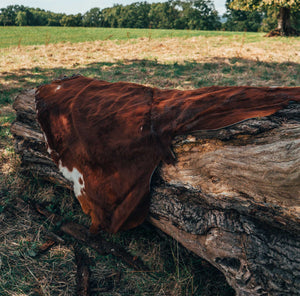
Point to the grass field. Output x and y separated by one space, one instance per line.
17 36
161 58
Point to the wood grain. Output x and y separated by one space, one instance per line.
232 196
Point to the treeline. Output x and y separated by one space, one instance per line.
173 14
193 14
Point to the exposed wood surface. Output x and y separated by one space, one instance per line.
83 273
232 197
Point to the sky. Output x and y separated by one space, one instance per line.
82 6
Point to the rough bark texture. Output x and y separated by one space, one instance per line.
284 21
232 196
284 25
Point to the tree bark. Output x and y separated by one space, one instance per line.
284 25
284 21
232 196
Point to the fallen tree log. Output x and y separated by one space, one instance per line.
232 196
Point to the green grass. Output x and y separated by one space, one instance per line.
19 36
21 232
174 271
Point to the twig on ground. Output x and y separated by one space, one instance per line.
53 236
101 245
83 272
96 242
46 246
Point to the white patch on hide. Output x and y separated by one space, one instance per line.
74 176
58 88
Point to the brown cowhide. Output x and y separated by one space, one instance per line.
108 138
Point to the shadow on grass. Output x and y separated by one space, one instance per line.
201 278
220 71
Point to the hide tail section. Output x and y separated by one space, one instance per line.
180 112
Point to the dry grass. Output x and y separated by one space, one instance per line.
196 49
174 62
24 271
220 51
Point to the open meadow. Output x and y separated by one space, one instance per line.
161 58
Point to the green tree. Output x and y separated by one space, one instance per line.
54 19
21 18
24 17
39 17
92 18
111 16
163 15
71 20
134 15
8 15
199 15
269 21
284 8
239 20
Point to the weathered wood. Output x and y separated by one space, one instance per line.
232 196
83 273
